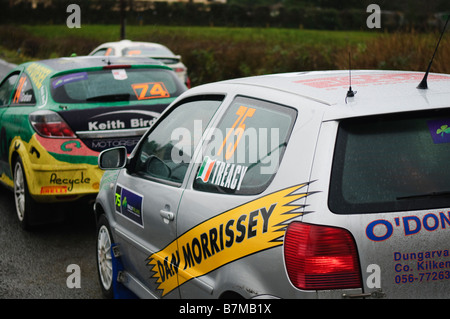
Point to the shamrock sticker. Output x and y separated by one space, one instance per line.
443 129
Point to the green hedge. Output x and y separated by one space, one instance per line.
328 16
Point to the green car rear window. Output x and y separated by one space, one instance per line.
113 85
392 163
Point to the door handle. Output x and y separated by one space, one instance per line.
166 214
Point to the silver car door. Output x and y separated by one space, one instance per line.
149 191
231 207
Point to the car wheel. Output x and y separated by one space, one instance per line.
25 205
104 257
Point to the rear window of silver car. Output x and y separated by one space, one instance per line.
391 163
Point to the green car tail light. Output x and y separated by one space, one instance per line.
50 124
321 257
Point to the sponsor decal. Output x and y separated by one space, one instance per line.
38 73
381 229
134 52
69 182
242 231
100 144
421 266
368 79
205 170
44 96
109 51
50 190
61 145
223 174
148 120
440 130
129 204
17 96
69 78
107 125
120 74
236 131
140 122
150 90
119 124
68 146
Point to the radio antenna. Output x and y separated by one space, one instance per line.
350 92
423 85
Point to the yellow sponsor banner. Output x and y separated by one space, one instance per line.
38 73
239 232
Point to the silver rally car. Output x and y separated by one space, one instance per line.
284 186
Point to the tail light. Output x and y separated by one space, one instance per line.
321 257
50 124
179 70
116 66
188 83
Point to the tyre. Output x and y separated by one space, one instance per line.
104 257
26 206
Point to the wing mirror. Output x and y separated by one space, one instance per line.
113 158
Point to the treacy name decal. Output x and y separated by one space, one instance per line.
221 173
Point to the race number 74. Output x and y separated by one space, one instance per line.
150 90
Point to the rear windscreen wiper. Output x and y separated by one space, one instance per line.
109 98
426 195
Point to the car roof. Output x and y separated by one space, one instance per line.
84 62
128 43
377 92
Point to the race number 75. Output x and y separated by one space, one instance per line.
237 130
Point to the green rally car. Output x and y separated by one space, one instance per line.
57 115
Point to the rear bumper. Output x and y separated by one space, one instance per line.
50 183
56 169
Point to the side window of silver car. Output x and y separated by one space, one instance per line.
245 150
166 152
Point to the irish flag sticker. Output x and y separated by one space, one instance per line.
206 169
